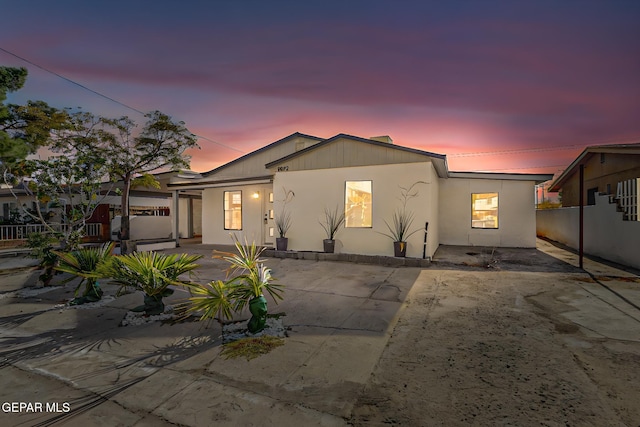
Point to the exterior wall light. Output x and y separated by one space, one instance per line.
255 195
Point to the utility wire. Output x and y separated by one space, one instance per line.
104 96
470 154
540 149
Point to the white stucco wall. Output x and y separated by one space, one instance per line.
195 216
516 213
606 235
316 189
253 211
144 227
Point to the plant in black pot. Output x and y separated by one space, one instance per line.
151 273
283 221
399 228
331 224
249 280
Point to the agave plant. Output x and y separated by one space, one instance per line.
151 273
85 263
249 280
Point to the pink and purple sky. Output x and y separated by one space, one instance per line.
538 79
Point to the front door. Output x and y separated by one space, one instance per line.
269 231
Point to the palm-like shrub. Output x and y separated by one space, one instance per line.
249 280
151 273
85 263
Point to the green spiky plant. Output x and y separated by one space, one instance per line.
41 245
151 273
249 280
85 263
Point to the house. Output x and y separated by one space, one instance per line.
366 178
609 226
151 210
606 168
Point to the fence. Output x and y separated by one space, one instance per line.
20 232
627 197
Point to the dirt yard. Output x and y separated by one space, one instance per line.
511 344
481 337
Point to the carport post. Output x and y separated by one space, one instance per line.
176 219
581 231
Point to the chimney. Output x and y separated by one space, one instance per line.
382 138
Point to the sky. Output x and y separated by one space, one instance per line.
501 86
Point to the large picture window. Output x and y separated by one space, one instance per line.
484 210
357 204
233 210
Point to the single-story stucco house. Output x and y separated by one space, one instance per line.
364 178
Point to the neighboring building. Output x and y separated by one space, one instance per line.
610 221
605 168
151 207
364 178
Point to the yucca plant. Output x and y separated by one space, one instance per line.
332 222
85 263
249 280
151 273
399 228
400 225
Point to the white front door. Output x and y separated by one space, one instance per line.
269 232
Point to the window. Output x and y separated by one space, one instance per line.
357 204
233 210
484 210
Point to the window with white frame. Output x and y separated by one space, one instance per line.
233 210
357 204
484 210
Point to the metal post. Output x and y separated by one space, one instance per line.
176 218
581 231
424 247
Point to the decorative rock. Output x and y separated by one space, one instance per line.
238 330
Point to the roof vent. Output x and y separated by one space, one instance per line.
382 138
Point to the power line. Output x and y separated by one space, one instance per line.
527 167
540 149
524 150
104 96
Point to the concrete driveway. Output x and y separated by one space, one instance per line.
362 348
339 317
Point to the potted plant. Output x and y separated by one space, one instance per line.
85 263
332 222
151 273
249 280
283 223
399 229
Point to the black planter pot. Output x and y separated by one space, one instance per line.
400 249
329 245
282 243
